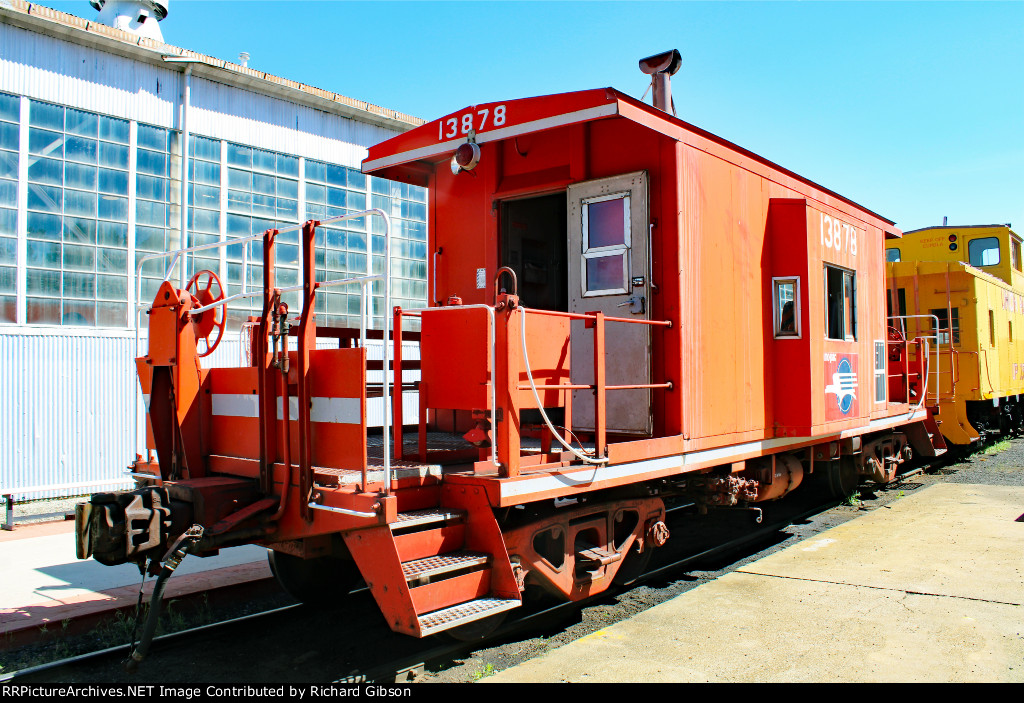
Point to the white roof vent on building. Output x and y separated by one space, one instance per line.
136 16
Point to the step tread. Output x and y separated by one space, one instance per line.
425 517
463 613
598 555
442 563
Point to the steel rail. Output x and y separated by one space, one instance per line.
411 665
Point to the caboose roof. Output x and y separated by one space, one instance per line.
428 144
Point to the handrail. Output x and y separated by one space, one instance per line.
927 351
492 344
540 406
584 316
363 281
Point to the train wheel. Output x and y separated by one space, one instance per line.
323 582
842 478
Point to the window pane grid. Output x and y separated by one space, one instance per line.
76 248
10 111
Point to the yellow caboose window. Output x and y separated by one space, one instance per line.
984 251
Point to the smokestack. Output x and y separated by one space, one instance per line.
139 17
944 220
243 58
661 68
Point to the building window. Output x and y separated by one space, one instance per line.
944 329
840 303
342 249
204 203
153 210
1015 253
606 243
263 193
10 116
892 254
77 219
880 379
983 252
786 306
991 329
408 210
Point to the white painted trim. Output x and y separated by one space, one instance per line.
588 475
235 404
344 411
494 135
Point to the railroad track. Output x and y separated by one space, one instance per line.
416 655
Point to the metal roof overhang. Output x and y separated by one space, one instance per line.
429 142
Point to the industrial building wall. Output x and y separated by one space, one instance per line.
51 69
67 375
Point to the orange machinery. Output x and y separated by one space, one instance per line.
625 309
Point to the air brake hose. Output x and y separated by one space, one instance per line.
178 551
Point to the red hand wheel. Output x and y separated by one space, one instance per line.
205 324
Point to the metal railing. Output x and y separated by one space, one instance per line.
491 345
600 388
364 283
925 338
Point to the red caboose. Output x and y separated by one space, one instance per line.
624 308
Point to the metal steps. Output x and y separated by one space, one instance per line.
463 613
430 516
429 567
449 576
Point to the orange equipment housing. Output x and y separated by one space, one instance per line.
625 310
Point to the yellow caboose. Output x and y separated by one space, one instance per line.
964 288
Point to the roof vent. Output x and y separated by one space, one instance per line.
661 68
139 17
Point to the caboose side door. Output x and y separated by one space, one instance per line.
608 272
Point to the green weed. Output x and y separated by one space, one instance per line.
484 673
997 447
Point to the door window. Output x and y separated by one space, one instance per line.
606 242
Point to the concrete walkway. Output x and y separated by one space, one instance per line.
42 581
930 588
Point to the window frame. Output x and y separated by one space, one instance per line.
970 252
881 372
606 251
898 258
777 283
846 274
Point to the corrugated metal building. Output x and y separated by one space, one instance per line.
92 126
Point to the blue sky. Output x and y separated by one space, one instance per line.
913 109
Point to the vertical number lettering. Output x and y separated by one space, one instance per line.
453 127
467 123
483 119
499 115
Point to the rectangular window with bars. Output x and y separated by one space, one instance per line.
10 116
77 219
